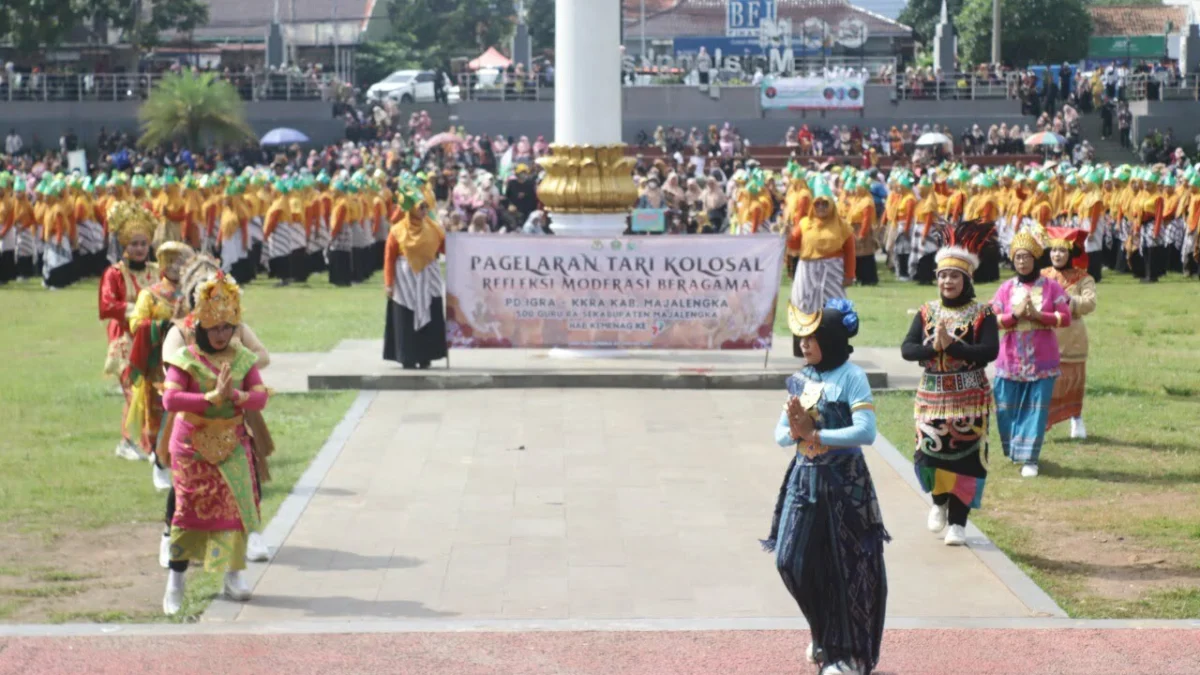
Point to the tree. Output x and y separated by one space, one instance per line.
141 22
192 108
446 29
1035 31
540 18
923 16
33 24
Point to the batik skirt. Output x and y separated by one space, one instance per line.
216 507
1067 400
828 534
1022 409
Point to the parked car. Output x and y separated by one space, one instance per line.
411 86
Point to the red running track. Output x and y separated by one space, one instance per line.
918 652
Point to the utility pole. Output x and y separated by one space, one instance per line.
337 62
996 32
643 29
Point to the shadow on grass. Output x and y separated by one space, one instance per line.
1131 572
1100 442
1052 470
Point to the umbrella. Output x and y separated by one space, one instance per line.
283 136
933 139
1045 138
442 138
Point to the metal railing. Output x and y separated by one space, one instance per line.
1162 87
504 86
968 86
137 86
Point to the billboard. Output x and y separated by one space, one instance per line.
812 93
637 292
743 18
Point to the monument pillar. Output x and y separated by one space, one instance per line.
588 188
944 44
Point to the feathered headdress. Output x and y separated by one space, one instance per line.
218 301
129 218
961 245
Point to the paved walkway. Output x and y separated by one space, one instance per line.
583 504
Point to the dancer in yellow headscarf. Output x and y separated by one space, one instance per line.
415 331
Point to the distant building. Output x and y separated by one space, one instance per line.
820 29
1137 34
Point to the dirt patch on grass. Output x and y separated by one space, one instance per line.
1097 543
110 574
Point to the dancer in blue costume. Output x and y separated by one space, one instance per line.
827 532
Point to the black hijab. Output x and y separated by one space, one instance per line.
833 337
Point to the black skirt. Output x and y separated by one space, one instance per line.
61 276
243 271
8 266
341 268
25 267
926 269
409 347
316 262
989 265
256 252
362 263
866 270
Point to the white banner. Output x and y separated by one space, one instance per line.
648 292
813 93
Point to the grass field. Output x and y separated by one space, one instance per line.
77 525
1110 529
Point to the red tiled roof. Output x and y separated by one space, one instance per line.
1137 20
696 18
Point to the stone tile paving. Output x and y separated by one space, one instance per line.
577 504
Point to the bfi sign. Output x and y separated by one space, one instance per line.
744 17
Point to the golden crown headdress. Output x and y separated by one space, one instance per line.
218 301
1026 241
128 218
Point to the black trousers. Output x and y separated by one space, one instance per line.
957 512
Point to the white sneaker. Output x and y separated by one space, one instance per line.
1078 431
814 653
1029 471
173 598
129 451
841 668
256 548
956 536
164 551
937 518
160 476
235 587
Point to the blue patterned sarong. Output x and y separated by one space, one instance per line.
1022 409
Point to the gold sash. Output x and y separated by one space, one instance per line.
214 439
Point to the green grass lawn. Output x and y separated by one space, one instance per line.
59 480
1110 529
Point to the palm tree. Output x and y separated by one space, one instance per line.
190 108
